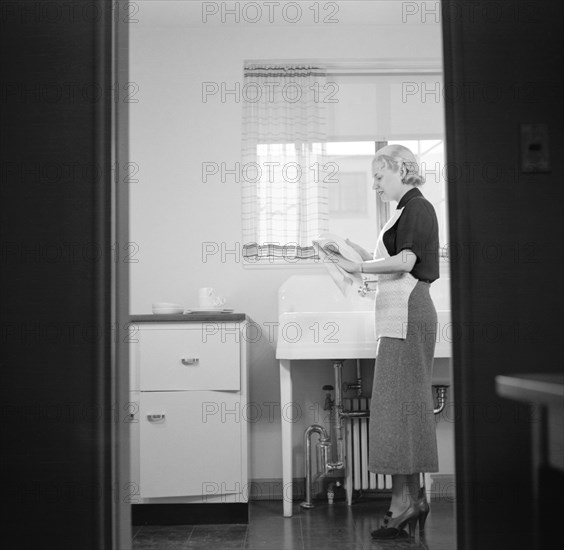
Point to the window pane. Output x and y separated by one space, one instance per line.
352 202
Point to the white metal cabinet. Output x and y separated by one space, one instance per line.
190 443
190 436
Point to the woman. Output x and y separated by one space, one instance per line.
402 426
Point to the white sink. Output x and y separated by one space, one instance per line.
326 335
317 322
341 335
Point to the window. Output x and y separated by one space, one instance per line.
314 157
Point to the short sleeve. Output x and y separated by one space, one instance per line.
416 227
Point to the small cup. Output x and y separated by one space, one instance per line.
205 297
207 300
205 292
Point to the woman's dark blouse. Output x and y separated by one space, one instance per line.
417 229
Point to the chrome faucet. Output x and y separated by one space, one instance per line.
365 288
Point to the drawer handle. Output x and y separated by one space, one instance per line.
190 361
156 417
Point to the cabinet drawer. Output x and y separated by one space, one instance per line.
191 444
187 359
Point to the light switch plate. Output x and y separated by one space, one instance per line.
534 148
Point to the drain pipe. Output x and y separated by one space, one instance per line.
441 392
325 447
338 408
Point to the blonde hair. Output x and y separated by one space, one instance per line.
393 156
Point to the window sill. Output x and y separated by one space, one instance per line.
283 264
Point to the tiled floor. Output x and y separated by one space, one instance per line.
336 526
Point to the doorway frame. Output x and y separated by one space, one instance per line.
122 487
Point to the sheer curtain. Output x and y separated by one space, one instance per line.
285 190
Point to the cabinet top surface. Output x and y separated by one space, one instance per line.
189 318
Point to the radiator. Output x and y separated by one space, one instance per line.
357 476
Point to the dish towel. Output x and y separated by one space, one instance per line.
327 244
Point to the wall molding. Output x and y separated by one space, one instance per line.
271 489
443 488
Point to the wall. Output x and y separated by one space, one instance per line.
173 132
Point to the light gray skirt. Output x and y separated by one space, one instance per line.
402 438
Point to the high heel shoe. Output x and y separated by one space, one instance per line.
392 527
423 506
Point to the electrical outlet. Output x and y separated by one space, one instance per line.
534 148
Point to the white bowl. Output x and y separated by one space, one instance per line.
167 308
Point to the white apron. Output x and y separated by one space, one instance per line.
392 294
